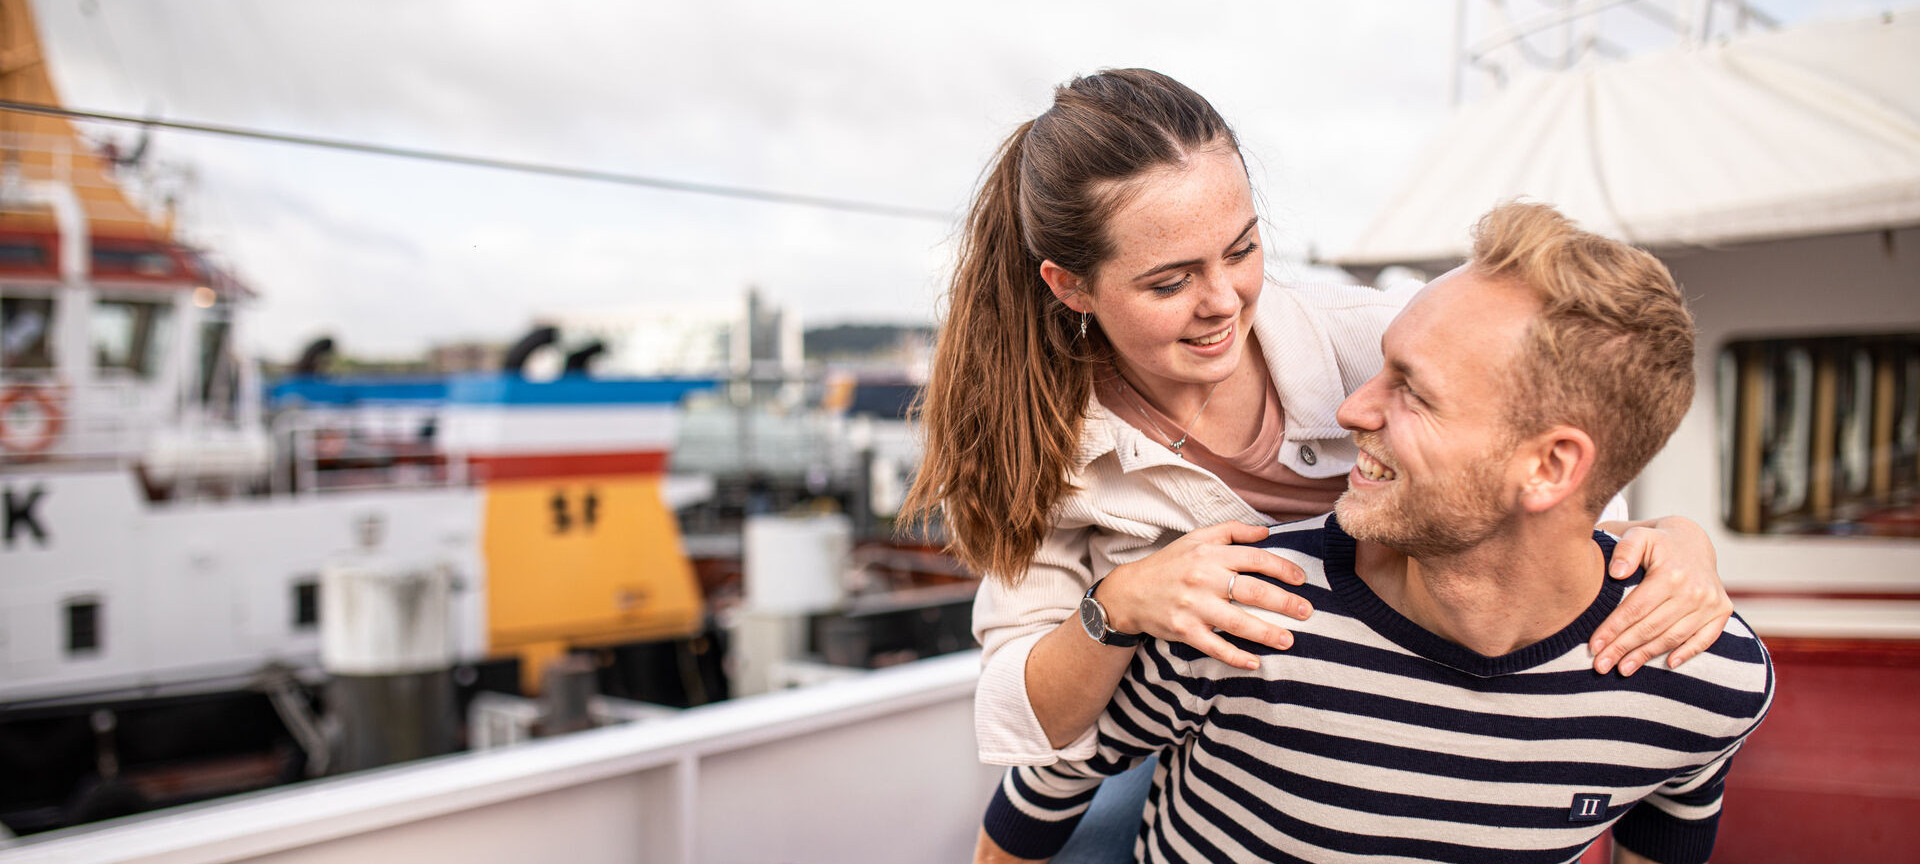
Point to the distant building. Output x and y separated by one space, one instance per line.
754 338
458 357
867 350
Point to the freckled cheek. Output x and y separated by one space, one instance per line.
1251 280
1136 334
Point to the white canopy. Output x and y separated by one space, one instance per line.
1802 132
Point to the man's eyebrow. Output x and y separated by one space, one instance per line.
1175 265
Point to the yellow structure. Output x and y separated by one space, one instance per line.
581 562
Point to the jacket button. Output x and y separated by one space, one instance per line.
1306 454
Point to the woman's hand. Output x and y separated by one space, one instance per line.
1180 593
1680 605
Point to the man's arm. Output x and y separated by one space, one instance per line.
985 851
1678 822
1037 807
1621 855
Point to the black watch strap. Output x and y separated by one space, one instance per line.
1093 617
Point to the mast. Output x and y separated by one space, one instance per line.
1508 40
38 148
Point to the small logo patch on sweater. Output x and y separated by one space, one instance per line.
1588 807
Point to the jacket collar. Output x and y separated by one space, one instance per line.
1103 432
1301 361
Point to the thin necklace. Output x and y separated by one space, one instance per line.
1139 401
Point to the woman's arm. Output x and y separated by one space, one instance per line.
1070 679
1177 594
1680 606
1009 620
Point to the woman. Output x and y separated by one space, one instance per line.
1117 398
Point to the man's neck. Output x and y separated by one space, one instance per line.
1497 597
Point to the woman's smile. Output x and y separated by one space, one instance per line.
1210 339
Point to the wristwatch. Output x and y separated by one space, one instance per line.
1093 616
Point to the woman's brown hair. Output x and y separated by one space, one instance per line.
1011 376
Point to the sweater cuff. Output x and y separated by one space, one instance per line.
1033 826
1652 833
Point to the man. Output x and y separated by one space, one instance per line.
1440 705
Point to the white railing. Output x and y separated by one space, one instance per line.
103 421
878 767
388 439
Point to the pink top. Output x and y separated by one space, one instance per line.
1255 474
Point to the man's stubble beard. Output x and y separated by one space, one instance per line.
1440 518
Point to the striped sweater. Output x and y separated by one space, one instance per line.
1373 739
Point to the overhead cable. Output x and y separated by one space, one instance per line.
592 175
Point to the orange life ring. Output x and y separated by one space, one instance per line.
51 420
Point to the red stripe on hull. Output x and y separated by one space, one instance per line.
1834 772
487 468
1825 595
1810 651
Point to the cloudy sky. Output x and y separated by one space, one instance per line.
889 102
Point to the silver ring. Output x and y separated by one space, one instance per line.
1236 575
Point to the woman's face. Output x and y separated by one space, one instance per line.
1176 300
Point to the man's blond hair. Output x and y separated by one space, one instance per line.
1611 351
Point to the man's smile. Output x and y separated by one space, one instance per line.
1373 469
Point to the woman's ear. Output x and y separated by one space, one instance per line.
1065 285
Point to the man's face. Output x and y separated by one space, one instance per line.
1435 444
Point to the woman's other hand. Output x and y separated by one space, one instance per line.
1180 593
1680 606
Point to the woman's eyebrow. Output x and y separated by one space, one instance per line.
1175 265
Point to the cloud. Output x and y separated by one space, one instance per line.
893 102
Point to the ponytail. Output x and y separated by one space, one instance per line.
1002 408
1012 377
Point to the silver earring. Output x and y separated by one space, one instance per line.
1083 325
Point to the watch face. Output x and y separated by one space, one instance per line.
1091 617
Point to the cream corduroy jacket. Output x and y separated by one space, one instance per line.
1133 496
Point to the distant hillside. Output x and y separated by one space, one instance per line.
861 340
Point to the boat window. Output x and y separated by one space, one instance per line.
23 256
1820 435
140 262
219 372
306 604
83 626
25 327
130 335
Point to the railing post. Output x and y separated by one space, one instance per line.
686 790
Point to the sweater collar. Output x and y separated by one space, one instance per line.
1363 604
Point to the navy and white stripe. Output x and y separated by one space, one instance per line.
1373 739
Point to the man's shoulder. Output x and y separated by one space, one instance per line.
1306 536
1732 680
1303 544
1737 662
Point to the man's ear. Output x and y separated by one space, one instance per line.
1066 286
1557 466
